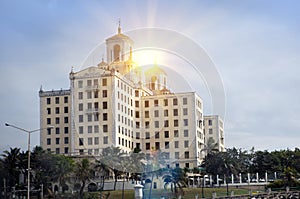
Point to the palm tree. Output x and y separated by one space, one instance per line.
83 173
63 169
111 157
175 177
11 162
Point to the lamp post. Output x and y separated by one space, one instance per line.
28 166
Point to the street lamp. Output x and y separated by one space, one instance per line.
28 166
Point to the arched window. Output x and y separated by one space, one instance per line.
117 52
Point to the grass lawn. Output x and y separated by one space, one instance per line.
189 193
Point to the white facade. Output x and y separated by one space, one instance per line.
108 105
214 132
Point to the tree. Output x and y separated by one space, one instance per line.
63 170
111 157
11 162
175 177
210 147
83 173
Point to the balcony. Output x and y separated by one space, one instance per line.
91 88
92 110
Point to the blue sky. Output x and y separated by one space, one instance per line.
254 44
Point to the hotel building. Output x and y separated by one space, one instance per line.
115 104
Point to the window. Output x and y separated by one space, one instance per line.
81 141
137 114
165 102
48 100
80 107
96 140
56 100
186 133
96 117
147 134
167 156
66 120
185 122
66 150
80 95
186 144
96 129
66 140
90 129
89 95
187 165
147 103
66 109
137 125
104 93
104 82
57 150
137 135
156 113
175 102
56 140
57 130
48 141
95 82
57 110
176 155
105 128
80 119
105 140
186 154
80 130
89 82
210 122
80 84
147 125
157 135
104 116
184 101
90 141
155 102
136 93
146 114
176 144
175 112
104 104
147 146
49 131
96 94
66 99
210 131
185 111
57 120
156 124
176 123
176 134
48 111
166 134
48 120
166 123
90 117
167 145
166 113
157 146
66 130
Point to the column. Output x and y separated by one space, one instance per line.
240 175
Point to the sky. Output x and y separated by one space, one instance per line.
254 46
